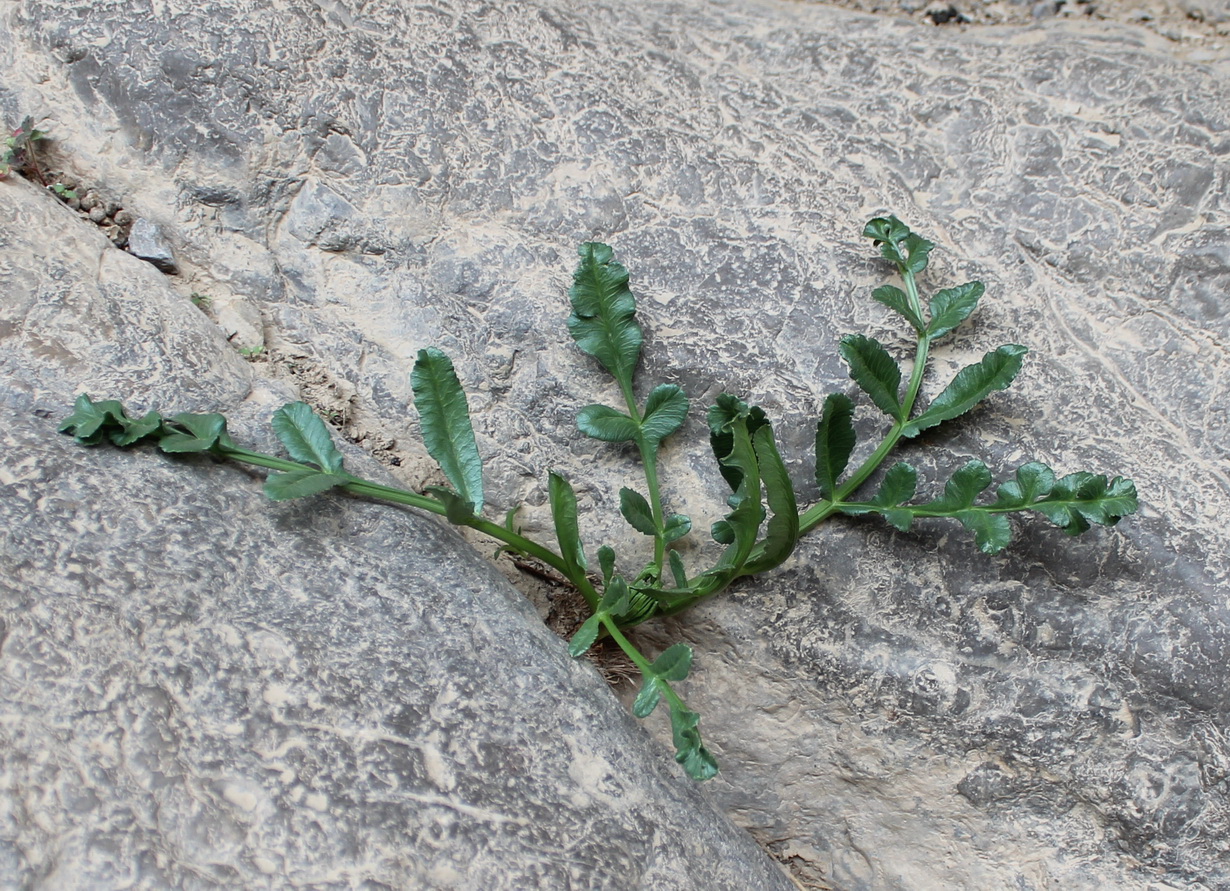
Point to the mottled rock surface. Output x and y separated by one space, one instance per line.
891 710
200 689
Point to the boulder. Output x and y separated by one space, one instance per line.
891 710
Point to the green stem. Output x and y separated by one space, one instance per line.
642 664
365 488
649 461
822 510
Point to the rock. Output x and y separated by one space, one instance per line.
892 710
145 240
199 688
241 322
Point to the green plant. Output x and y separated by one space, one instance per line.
201 301
20 152
764 522
252 352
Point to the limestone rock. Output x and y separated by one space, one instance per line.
891 710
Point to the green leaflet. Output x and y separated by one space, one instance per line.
915 253
615 602
603 320
299 484
835 441
962 489
444 416
665 411
894 298
898 485
636 511
306 437
564 512
875 371
607 424
782 530
676 527
722 417
606 562
952 306
996 371
1032 481
149 424
203 432
583 638
677 569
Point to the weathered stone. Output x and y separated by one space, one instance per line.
201 689
145 241
891 710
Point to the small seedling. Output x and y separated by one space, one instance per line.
20 153
201 301
764 522
252 352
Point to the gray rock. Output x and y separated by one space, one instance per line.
201 689
145 240
892 710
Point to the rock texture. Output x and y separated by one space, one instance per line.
891 711
199 689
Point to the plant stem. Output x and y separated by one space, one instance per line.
359 486
649 461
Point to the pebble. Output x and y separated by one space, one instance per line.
97 214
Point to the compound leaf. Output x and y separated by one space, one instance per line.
995 372
603 322
835 440
306 437
874 370
952 306
444 416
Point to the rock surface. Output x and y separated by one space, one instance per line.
891 710
199 689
